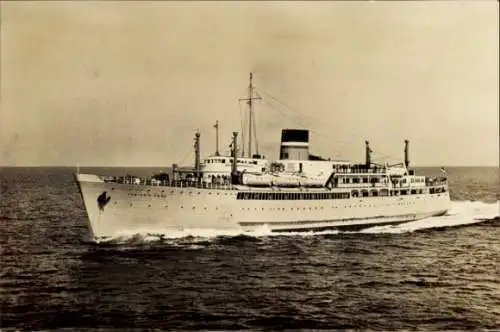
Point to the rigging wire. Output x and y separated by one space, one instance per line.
185 157
351 141
388 157
312 118
320 134
342 142
289 107
299 123
283 113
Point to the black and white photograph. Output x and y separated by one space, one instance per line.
249 166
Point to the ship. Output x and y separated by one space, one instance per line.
246 192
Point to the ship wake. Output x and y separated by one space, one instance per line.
462 213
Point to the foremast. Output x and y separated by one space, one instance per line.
251 121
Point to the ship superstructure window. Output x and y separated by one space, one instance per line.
290 196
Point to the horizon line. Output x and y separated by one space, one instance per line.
170 165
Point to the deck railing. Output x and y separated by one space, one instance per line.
174 184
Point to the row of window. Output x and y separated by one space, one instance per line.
362 180
310 196
291 196
223 161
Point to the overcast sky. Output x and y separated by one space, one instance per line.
127 84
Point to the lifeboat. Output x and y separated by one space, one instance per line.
312 182
256 180
286 181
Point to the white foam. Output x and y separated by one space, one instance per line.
461 213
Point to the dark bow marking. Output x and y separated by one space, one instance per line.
102 200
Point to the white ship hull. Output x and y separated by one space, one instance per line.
131 208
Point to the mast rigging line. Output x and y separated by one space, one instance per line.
185 157
393 156
297 122
342 142
297 117
290 107
284 114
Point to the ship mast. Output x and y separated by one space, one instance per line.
251 125
234 160
368 151
197 155
216 126
407 153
